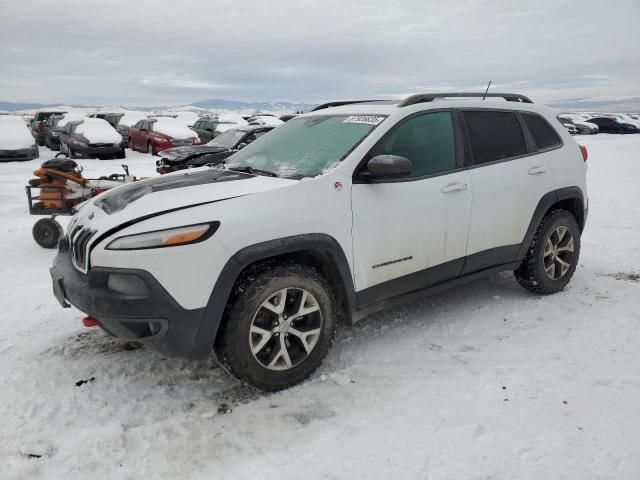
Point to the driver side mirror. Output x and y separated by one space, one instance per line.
382 167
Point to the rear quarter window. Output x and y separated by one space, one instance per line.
544 135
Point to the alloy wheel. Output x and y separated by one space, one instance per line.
558 253
285 329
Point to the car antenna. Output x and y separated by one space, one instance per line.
485 92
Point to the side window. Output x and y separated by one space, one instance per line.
494 135
543 134
427 140
197 124
138 124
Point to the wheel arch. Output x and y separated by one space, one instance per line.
567 198
319 251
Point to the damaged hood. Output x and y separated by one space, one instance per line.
178 154
184 189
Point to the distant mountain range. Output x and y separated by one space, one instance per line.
213 104
585 104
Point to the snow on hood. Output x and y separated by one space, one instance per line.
97 130
182 153
14 133
174 128
131 118
233 118
69 117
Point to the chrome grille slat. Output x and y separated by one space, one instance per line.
79 238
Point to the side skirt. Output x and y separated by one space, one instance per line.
440 287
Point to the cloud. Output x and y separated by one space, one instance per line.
162 52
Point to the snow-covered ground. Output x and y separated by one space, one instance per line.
482 382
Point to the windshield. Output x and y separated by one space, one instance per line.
227 139
307 146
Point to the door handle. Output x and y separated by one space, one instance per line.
454 187
537 170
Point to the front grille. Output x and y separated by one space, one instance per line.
181 143
100 145
79 237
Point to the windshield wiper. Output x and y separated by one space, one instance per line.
253 171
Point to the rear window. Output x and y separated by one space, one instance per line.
543 134
494 135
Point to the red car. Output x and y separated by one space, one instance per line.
153 135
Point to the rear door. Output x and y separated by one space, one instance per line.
412 232
508 179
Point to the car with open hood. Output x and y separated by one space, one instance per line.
154 134
91 138
335 214
16 141
212 153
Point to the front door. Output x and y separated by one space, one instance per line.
411 233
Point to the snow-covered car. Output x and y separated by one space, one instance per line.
55 125
212 153
335 214
265 120
583 127
39 122
91 138
16 140
188 118
128 120
154 134
568 124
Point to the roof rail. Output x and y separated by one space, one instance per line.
340 103
429 97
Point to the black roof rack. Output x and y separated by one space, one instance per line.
340 103
429 97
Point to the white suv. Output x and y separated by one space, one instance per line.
325 219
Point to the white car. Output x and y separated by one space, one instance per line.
16 140
333 215
582 126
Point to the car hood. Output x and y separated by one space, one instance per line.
175 191
183 153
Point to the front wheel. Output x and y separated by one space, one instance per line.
46 232
553 255
278 328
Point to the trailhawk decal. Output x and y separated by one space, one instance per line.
366 119
391 262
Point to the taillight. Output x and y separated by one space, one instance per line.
585 154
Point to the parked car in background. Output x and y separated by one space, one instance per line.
265 120
209 128
91 138
613 125
623 117
213 153
38 124
155 134
127 121
569 125
583 127
16 141
188 118
288 116
113 118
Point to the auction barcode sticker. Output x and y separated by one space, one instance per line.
366 119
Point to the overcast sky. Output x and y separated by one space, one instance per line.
142 52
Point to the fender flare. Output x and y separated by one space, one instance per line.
324 245
545 203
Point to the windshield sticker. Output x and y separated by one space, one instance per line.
366 119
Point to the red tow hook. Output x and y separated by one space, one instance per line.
90 322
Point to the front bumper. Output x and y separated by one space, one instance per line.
91 152
153 318
19 154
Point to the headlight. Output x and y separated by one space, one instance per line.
161 139
78 142
165 238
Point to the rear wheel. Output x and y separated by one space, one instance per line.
47 232
278 327
553 255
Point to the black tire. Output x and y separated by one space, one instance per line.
233 348
121 154
40 142
532 273
47 232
